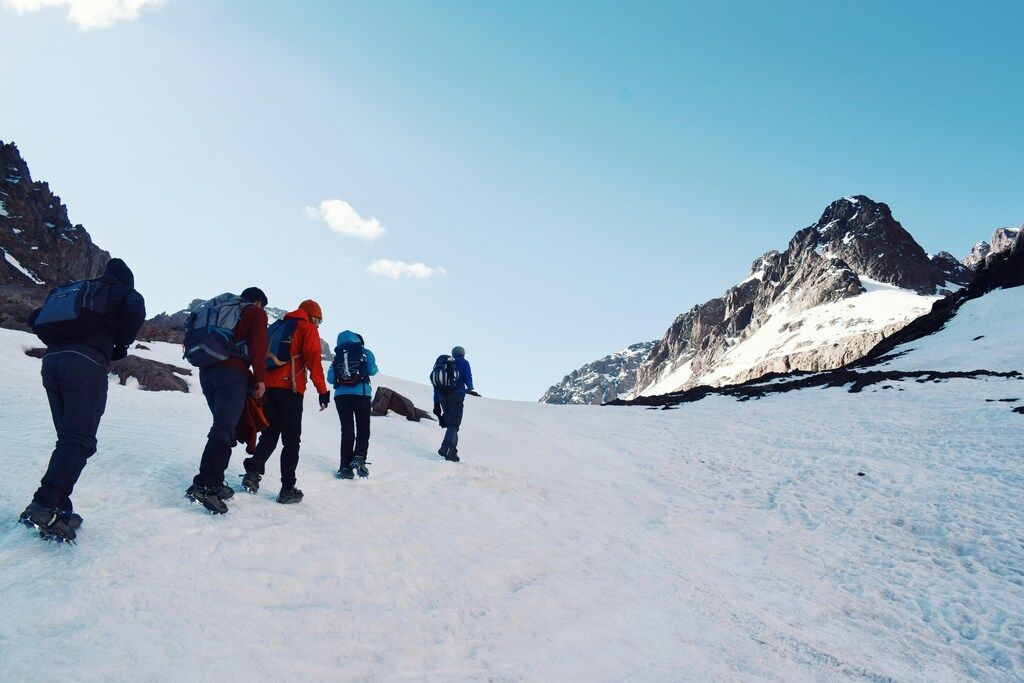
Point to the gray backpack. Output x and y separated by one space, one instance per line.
210 331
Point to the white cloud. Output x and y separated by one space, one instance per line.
399 269
88 14
341 217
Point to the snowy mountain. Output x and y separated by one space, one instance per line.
841 285
971 334
816 534
603 380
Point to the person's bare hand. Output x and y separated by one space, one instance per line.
261 389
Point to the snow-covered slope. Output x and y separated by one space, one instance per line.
985 334
722 540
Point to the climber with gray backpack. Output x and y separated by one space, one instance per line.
85 325
224 338
350 374
452 379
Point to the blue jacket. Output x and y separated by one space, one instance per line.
465 378
364 389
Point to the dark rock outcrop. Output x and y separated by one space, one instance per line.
955 272
150 374
17 304
41 247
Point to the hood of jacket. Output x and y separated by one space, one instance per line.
298 314
118 271
349 337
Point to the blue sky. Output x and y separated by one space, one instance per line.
582 172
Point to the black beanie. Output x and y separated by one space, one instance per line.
254 295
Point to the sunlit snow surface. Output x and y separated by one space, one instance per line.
720 540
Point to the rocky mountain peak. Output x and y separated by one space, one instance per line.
841 285
864 234
1002 240
39 244
978 253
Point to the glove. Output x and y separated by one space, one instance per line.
443 422
325 400
437 409
119 353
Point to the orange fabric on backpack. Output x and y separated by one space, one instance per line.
306 357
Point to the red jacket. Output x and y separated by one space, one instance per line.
306 355
252 328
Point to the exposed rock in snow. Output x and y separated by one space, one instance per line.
601 381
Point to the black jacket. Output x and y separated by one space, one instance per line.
126 311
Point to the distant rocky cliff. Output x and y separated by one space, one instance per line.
842 285
603 380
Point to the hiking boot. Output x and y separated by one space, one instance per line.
251 482
53 525
225 492
207 497
345 473
289 495
359 465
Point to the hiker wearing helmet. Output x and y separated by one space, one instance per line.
85 325
294 350
452 379
226 384
350 374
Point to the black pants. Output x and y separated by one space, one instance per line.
284 412
354 412
451 406
76 386
225 388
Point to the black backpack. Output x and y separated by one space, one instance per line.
73 311
350 365
445 377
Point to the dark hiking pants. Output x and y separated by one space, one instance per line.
283 408
76 386
354 412
225 388
451 407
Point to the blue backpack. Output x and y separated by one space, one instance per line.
279 347
350 365
210 331
445 377
73 311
